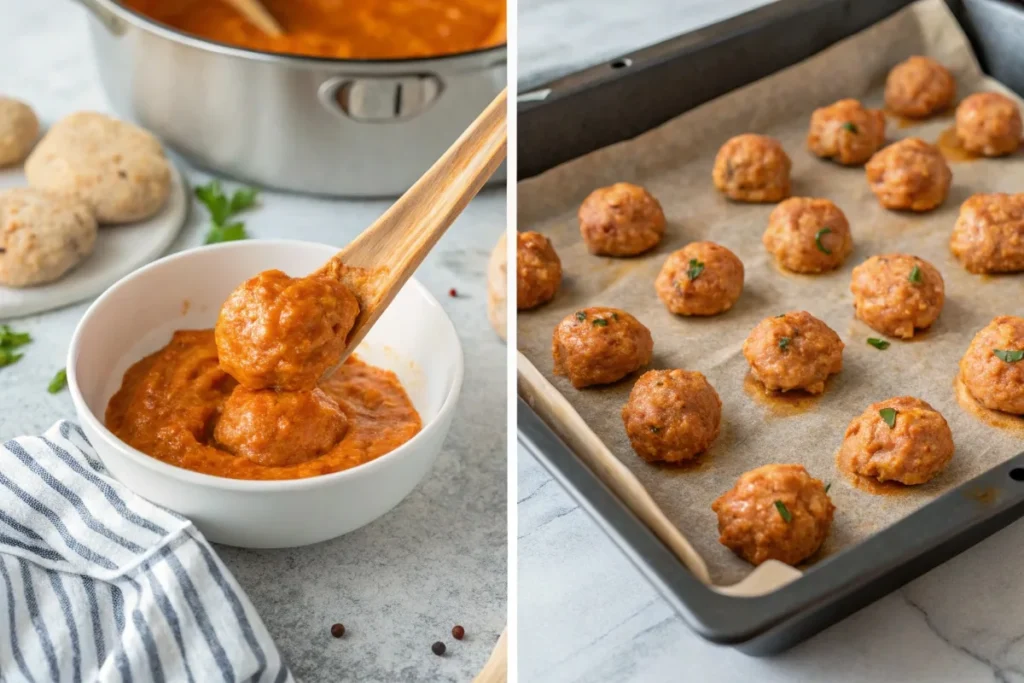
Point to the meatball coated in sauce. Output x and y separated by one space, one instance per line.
996 380
621 220
793 351
916 447
600 345
808 235
702 278
846 132
989 124
538 270
672 415
279 428
775 512
752 168
897 294
989 234
919 87
909 175
279 332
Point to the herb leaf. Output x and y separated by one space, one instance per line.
227 233
243 198
222 208
828 486
581 316
784 512
600 322
10 339
880 344
889 416
817 240
695 269
784 343
1009 356
8 357
59 381
915 275
850 127
215 201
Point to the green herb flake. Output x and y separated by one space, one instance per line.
232 232
784 343
9 339
600 322
850 127
915 275
695 269
879 344
8 357
615 316
222 207
581 316
59 381
817 240
828 486
655 429
243 198
1008 356
888 416
784 512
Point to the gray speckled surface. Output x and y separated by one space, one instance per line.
400 583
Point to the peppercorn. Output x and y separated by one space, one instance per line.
438 648
458 632
338 630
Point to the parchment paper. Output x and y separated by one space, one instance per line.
674 162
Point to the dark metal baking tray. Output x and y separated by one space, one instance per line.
583 112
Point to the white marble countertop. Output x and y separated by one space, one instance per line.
400 583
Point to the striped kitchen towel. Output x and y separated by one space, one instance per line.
98 584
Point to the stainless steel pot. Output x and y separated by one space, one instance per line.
324 126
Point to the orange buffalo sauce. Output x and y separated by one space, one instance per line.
343 29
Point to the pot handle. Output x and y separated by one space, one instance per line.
380 99
109 20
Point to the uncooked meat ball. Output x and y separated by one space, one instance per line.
538 270
702 278
808 235
989 234
919 87
989 124
752 168
846 132
793 351
902 439
993 367
621 220
775 512
672 415
897 294
909 175
600 345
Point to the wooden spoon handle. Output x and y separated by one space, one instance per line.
496 668
257 14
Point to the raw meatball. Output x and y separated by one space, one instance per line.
909 174
621 220
913 450
672 415
538 270
793 351
19 129
42 236
775 512
919 87
752 168
808 235
897 294
600 345
846 132
702 278
988 123
989 234
993 367
497 287
279 428
116 168
277 332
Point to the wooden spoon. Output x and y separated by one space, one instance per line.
257 14
496 668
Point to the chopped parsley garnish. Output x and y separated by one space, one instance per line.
615 316
915 275
850 127
880 344
600 322
828 486
888 416
9 341
59 381
655 429
783 511
817 240
695 269
784 343
581 316
1009 356
222 207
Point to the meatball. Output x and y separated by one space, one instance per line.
702 278
672 415
775 512
19 128
989 234
793 351
279 428
988 123
919 87
752 168
846 132
279 332
808 235
538 270
900 439
993 367
909 175
897 294
621 220
600 345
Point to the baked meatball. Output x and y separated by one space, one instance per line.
702 278
989 124
752 168
278 332
993 367
808 235
19 128
621 220
793 351
538 270
897 294
775 512
989 234
672 415
846 132
909 175
900 439
600 345
919 87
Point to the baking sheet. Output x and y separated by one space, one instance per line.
674 162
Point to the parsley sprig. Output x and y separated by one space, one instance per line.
222 208
9 341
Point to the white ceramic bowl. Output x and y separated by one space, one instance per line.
135 317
